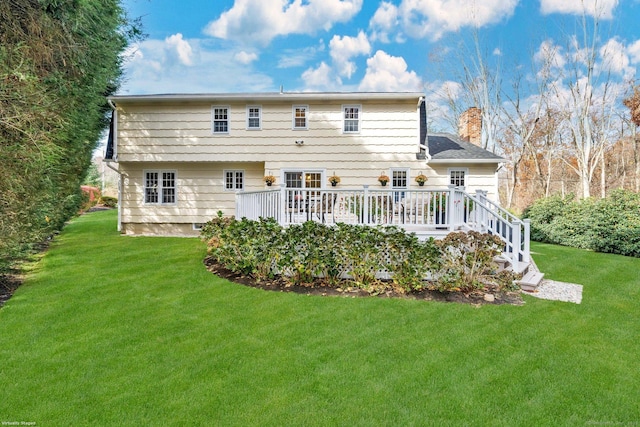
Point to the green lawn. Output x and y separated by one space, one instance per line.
113 330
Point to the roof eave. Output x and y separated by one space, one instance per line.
271 96
494 161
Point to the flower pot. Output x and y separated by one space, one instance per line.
421 184
269 184
383 183
333 184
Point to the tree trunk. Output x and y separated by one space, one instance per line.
603 177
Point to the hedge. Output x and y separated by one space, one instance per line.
608 225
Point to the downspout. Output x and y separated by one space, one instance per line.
110 166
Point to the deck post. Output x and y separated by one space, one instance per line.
365 205
527 240
481 214
283 206
451 205
516 243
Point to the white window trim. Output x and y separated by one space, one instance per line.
213 119
344 119
293 117
466 175
160 187
407 171
224 179
259 107
322 172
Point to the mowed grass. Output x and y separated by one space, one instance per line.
115 330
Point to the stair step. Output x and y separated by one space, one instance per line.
530 281
502 262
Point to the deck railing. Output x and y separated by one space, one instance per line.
423 211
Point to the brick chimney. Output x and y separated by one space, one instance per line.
470 126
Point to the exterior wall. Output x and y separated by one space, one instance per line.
478 177
200 195
179 137
162 132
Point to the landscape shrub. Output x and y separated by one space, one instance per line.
466 260
609 225
108 201
410 260
313 252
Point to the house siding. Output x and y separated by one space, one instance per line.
200 195
178 136
183 133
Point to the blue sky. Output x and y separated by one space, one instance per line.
359 45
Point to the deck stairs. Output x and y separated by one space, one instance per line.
531 275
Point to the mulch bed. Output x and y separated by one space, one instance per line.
320 289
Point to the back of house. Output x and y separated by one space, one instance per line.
183 158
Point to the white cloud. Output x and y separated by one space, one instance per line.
259 21
154 68
180 48
497 52
386 73
298 57
615 58
597 8
245 57
384 22
549 56
433 18
634 52
342 49
320 78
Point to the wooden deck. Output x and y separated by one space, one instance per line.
427 213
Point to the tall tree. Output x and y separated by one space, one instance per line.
58 60
585 91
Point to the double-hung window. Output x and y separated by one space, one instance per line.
351 118
457 177
399 181
300 113
254 117
220 119
160 187
233 180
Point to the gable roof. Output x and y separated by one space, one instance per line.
447 148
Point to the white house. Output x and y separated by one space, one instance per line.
183 158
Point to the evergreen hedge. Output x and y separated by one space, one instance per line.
608 225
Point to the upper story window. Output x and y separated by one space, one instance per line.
160 187
220 119
300 113
233 180
351 118
457 177
254 117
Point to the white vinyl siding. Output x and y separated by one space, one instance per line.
300 117
160 187
351 118
220 118
254 117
